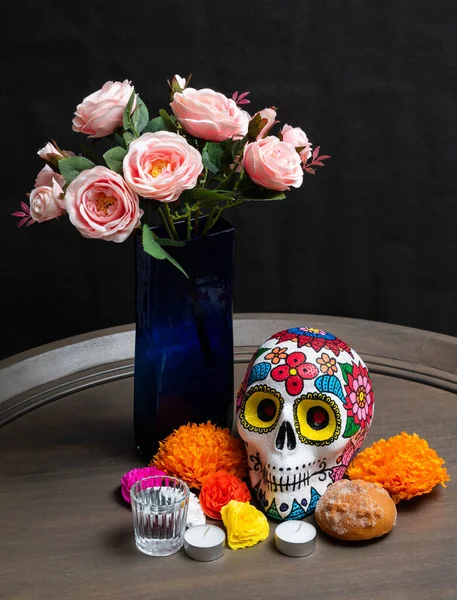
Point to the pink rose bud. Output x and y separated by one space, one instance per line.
273 164
208 114
101 205
270 115
53 154
181 81
161 166
45 199
100 114
298 138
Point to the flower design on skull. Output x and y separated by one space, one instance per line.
294 372
348 454
276 355
327 365
359 400
314 338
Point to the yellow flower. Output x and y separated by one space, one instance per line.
404 465
245 524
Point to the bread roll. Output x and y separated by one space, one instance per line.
355 510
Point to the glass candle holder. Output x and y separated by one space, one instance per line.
159 509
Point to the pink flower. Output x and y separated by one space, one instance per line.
273 164
270 115
161 166
101 205
131 477
46 199
359 400
298 138
100 114
246 117
53 154
208 114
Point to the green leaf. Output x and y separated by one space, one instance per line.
168 242
169 123
119 139
209 197
228 154
70 168
128 137
212 156
154 249
155 125
256 124
345 369
114 158
202 193
351 428
262 195
126 119
140 115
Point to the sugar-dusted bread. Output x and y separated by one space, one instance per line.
355 510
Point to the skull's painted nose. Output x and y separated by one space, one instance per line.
286 431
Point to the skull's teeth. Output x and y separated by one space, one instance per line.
286 483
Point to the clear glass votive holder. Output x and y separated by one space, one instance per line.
159 508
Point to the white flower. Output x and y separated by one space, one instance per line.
195 514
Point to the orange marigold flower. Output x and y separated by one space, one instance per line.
404 465
217 491
193 452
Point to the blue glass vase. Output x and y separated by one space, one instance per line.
184 337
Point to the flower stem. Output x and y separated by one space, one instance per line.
188 225
204 178
209 218
196 222
174 233
165 223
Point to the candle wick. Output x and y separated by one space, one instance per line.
300 526
207 529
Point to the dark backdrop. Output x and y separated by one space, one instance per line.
371 236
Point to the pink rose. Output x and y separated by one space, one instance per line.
45 199
246 117
270 115
298 138
131 477
273 164
100 114
161 166
208 114
101 205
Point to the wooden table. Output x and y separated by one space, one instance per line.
67 439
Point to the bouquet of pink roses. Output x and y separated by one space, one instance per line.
206 156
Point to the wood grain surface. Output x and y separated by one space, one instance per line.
66 534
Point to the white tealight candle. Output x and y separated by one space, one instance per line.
204 542
295 538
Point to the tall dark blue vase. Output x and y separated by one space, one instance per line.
184 337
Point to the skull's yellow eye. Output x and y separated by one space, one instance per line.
261 409
317 419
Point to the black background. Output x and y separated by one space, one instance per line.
372 235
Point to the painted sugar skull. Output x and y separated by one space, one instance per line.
303 409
